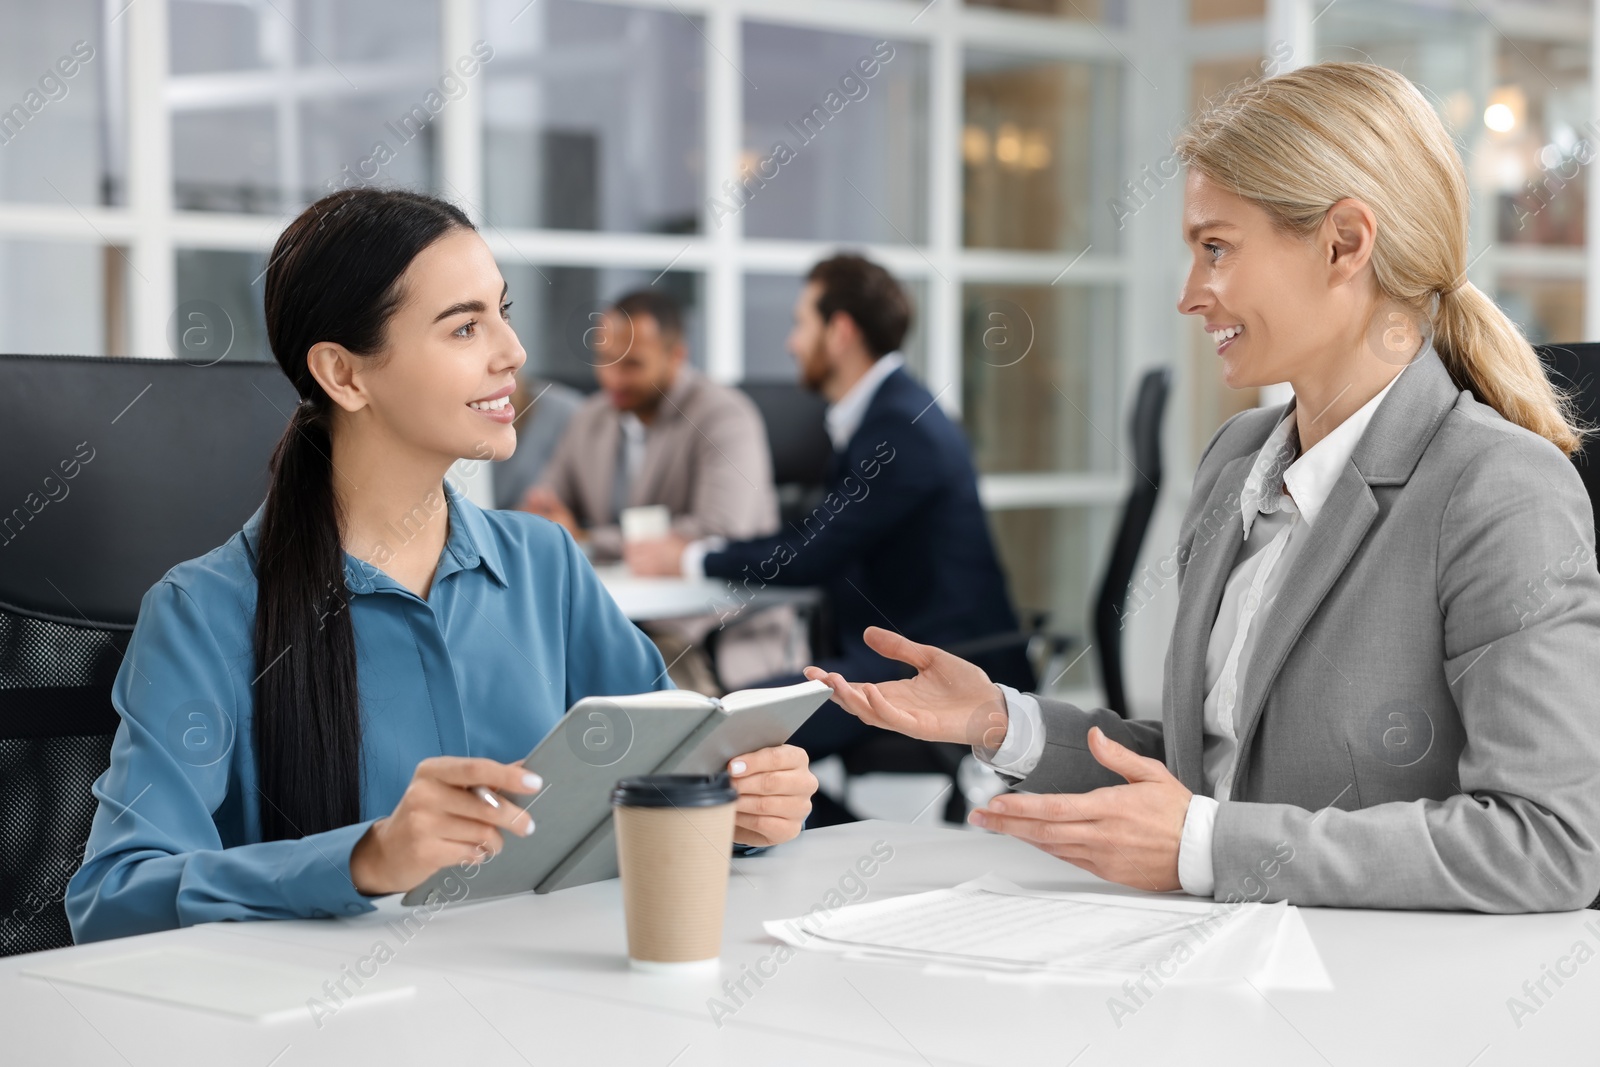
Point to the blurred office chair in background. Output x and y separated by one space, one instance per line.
798 442
1144 433
798 439
116 469
1576 369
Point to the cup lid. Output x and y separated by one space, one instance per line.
675 791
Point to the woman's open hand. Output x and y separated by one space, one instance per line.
949 699
775 786
440 822
1129 834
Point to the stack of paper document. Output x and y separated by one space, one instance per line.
995 926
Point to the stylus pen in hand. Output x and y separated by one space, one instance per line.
533 781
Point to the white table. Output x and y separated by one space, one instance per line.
652 599
543 980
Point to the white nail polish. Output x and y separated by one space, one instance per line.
738 766
529 831
532 781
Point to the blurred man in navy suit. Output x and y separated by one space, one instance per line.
900 539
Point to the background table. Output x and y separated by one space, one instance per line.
650 599
543 980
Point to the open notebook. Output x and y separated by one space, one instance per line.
598 741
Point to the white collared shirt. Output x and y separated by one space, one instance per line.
844 416
1282 498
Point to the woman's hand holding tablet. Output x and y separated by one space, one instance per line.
439 822
775 786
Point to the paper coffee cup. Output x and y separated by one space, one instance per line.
650 522
674 842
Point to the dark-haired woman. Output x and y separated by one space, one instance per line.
321 710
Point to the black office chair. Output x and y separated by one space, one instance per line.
798 440
1144 432
1576 368
115 470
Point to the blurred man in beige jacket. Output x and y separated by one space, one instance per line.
660 432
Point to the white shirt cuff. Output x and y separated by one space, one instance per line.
1195 872
693 561
1024 744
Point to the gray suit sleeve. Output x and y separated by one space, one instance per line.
1065 766
1519 595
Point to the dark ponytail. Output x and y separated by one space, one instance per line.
334 276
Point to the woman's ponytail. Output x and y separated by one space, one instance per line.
306 695
334 277
1486 353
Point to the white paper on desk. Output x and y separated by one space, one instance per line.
1295 962
994 926
257 990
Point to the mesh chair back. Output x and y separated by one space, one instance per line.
116 469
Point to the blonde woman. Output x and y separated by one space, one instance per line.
1383 684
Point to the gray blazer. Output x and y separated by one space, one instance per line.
707 460
1419 726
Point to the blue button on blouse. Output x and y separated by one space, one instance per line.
516 627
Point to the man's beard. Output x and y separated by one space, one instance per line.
814 368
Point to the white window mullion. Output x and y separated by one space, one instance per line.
724 287
944 302
1591 318
153 287
278 39
460 162
460 170
1291 23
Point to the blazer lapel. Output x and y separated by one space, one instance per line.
1388 451
1343 525
1218 535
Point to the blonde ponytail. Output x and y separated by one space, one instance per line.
1299 142
1487 354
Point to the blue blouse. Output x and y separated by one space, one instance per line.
516 628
